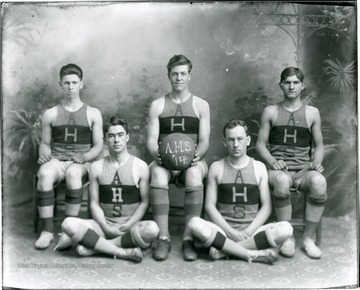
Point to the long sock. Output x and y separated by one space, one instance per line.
283 209
160 205
48 224
73 200
46 200
313 214
194 198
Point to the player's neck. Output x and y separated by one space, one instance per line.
292 104
120 158
72 104
239 162
180 97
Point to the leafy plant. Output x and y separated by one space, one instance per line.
341 77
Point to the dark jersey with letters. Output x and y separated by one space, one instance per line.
238 195
179 118
71 133
119 195
290 138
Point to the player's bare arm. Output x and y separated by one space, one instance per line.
48 118
267 119
96 121
313 116
141 174
202 107
153 131
265 200
96 211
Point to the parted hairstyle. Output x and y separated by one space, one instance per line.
114 121
290 71
233 123
71 69
177 60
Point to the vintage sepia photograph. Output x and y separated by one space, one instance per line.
179 145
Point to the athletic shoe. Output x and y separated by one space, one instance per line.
43 242
215 254
267 256
161 249
287 248
131 254
311 249
188 249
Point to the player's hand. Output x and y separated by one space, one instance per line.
238 236
79 158
196 159
279 165
124 228
158 158
43 158
316 166
112 231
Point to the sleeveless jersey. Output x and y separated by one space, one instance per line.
179 118
238 195
71 133
290 138
119 196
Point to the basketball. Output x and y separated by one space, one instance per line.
177 151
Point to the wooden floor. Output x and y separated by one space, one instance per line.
25 267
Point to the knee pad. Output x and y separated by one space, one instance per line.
86 237
216 240
137 238
263 240
45 198
318 199
74 196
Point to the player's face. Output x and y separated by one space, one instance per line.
236 141
71 86
179 77
117 139
292 87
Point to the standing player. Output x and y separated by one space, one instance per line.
291 128
238 203
119 198
177 112
71 138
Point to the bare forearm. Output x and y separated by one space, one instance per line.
93 153
202 149
138 214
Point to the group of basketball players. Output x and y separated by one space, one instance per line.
122 187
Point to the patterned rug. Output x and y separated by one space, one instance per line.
25 267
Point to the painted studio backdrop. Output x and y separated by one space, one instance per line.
238 51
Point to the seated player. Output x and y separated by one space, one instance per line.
293 131
177 112
71 138
238 204
119 198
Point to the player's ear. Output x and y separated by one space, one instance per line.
224 141
127 137
81 84
248 138
302 85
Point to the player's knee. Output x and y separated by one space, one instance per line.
318 183
197 227
193 176
282 185
281 231
159 175
73 173
149 230
69 225
44 174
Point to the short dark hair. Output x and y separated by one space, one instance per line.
233 123
71 69
177 60
114 121
290 71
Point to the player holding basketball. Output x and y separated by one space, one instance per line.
238 204
119 198
71 138
182 112
291 128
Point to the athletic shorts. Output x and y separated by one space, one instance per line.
62 166
178 176
296 177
